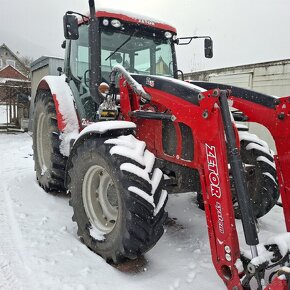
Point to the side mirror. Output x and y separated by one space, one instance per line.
70 27
208 48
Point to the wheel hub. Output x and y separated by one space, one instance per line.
100 199
43 143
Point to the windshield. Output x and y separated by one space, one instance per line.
141 53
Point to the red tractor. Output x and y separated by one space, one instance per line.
118 130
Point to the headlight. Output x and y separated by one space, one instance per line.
105 22
168 34
116 23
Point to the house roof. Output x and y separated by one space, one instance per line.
9 72
18 59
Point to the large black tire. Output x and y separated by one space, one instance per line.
49 162
261 174
117 197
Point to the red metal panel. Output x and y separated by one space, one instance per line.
277 284
136 19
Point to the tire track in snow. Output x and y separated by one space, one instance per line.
12 250
8 279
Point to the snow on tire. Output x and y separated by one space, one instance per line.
49 162
117 196
261 174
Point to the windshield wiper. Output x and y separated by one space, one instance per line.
127 40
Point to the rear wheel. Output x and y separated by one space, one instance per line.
116 196
49 162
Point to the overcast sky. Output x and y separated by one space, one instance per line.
244 31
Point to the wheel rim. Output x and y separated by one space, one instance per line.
43 143
100 199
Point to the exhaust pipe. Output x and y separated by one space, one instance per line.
93 49
92 9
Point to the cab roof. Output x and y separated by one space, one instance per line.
135 18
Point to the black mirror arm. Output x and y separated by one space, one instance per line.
84 17
189 39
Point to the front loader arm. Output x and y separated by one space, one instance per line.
217 193
274 114
276 119
216 186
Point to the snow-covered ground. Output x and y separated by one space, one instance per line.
39 248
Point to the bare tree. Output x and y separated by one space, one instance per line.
27 60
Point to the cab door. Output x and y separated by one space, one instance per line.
79 75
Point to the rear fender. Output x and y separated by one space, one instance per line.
62 95
67 119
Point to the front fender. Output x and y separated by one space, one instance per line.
99 130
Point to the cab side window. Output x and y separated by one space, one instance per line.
79 56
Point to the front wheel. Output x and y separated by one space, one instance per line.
261 177
116 196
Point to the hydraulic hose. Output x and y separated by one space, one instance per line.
137 88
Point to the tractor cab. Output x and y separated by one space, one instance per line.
140 45
95 46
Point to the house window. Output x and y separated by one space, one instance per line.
10 62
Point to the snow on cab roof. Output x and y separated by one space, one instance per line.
133 17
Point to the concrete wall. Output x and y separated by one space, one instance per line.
36 76
272 78
42 67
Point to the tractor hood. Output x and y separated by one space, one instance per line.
179 88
